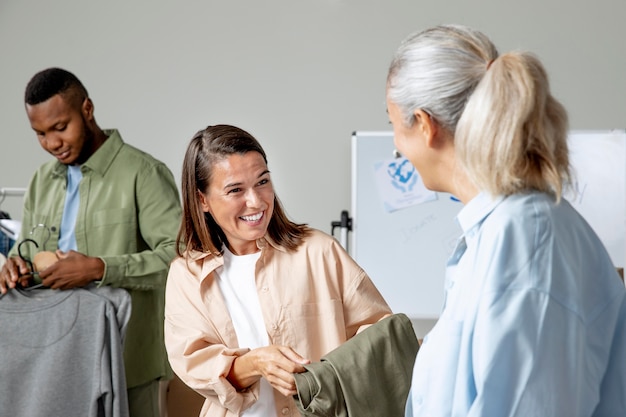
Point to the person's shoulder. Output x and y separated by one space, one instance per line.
195 263
116 143
49 166
531 219
522 202
131 151
317 236
513 218
321 241
130 156
524 208
47 169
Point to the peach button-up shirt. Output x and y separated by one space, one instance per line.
313 300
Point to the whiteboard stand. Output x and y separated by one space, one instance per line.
345 226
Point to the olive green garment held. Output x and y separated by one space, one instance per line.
369 375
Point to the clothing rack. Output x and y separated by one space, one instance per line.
12 192
8 227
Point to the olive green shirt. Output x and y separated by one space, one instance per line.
128 215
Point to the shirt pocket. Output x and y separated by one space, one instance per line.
115 229
114 216
314 329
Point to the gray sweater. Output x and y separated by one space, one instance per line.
61 352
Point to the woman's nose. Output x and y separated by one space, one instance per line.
252 198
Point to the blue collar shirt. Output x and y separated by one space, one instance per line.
534 321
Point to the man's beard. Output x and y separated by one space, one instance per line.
88 143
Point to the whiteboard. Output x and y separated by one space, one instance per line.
404 250
598 161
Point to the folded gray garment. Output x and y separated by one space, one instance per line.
369 375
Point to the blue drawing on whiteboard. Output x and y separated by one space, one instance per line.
400 185
403 175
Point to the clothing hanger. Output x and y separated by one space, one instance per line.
33 273
28 261
46 228
3 214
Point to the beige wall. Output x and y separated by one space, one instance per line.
300 75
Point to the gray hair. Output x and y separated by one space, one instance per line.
510 133
436 70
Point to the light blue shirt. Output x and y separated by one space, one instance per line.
534 321
67 237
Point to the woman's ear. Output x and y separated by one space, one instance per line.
204 204
427 127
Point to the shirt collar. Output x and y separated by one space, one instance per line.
210 262
262 243
102 159
474 212
267 240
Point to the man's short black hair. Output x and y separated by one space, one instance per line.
50 82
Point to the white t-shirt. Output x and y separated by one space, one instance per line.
237 283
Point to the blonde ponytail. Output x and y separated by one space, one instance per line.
512 135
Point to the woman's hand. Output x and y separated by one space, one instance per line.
276 364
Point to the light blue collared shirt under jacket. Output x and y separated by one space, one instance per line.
534 322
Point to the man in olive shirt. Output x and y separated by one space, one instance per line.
113 213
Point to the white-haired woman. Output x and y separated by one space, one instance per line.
534 322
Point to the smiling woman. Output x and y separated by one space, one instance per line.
241 199
253 296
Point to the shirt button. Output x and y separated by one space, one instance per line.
419 400
265 289
285 411
274 326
